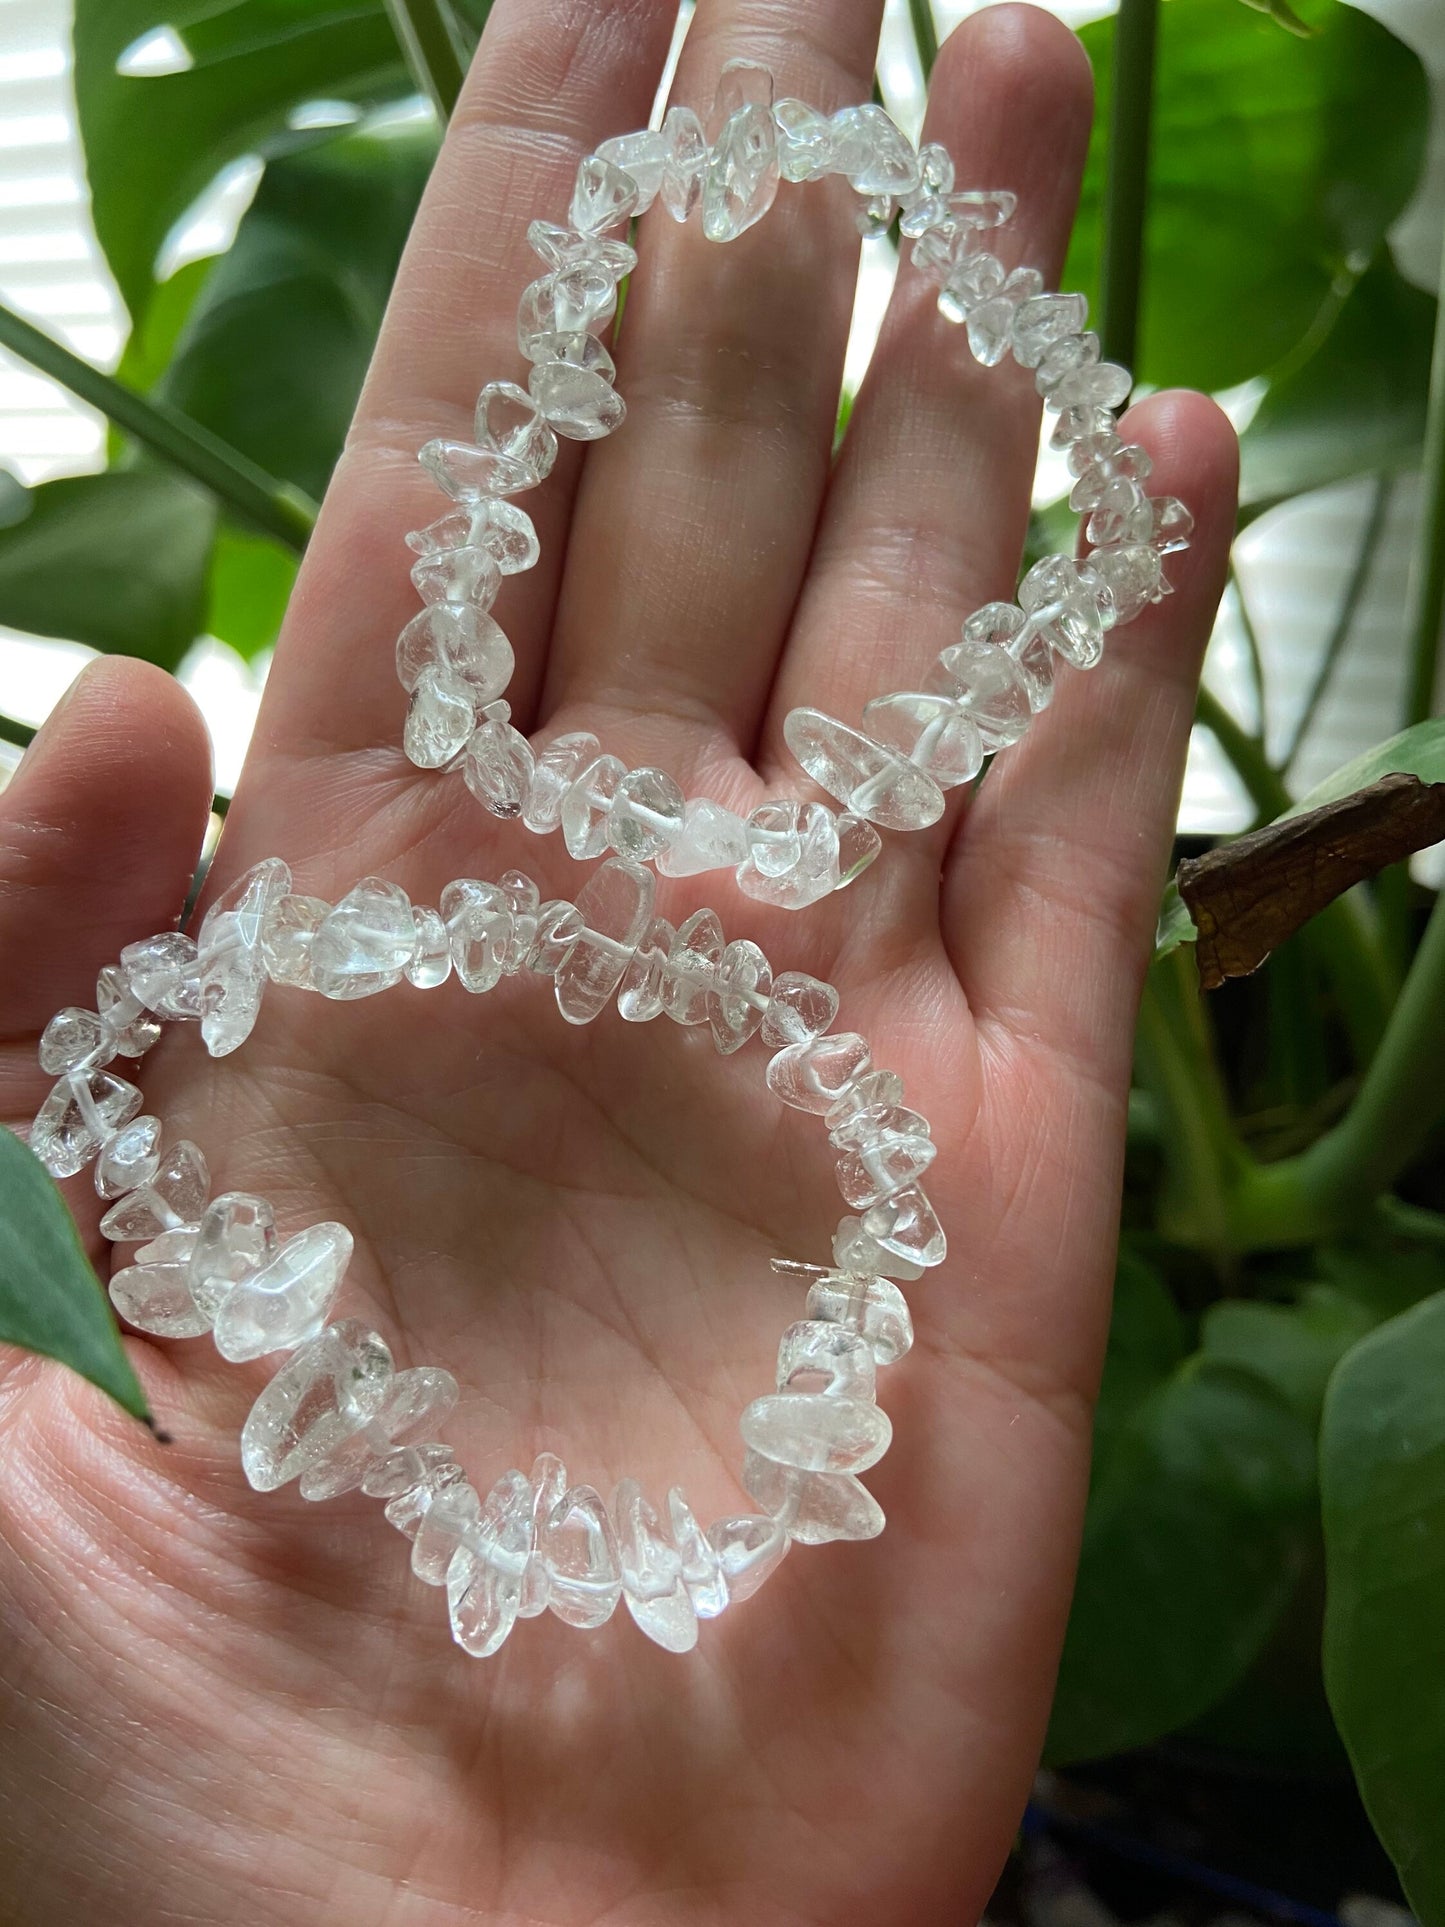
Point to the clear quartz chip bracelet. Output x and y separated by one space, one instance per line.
892 769
339 1414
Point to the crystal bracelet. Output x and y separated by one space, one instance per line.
338 1414
914 744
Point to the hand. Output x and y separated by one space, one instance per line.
226 1707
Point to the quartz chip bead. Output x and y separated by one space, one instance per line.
865 776
702 1572
548 1480
500 527
741 176
873 1307
409 1480
817 1356
859 845
805 140
816 1431
130 1157
874 154
161 972
587 807
578 1548
813 1076
711 838
738 997
470 474
509 421
644 157
478 919
364 944
1126 580
570 301
691 967
885 1151
498 768
153 1293
284 1303
558 928
858 1253
331 1388
935 732
451 1515
602 196
1043 319
557 768
793 853
175 1196
646 816
287 936
651 1566
686 163
565 247
639 996
1173 526
1065 609
1096 460
750 1547
869 1091
468 575
814 1508
236 1237
524 903
990 324
800 1008
484 1576
579 403
465 642
129 1026
416 1401
906 1223
984 679
431 961
72 1040
230 967
81 1113
615 905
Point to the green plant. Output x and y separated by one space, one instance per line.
1271 1406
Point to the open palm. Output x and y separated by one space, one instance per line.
222 1707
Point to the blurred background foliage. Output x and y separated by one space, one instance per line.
1263 1579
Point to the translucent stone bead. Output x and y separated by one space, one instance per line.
983 677
906 1223
639 996
615 905
505 531
805 140
467 642
886 1160
816 1432
792 854
702 1572
1104 385
858 1253
814 1508
990 324
739 995
646 815
468 473
451 1515
1097 460
363 945
1124 514
873 1307
416 1401
1003 625
558 928
935 732
548 1480
229 965
872 152
867 1124
867 778
509 421
800 1008
580 403
330 1389
813 1076
424 1472
817 1356
175 1196
749 1548
128 1025
235 1238
741 177
873 1090
83 1110
859 845
152 1295
73 1038
1065 358
484 1579
1044 319
284 1303
498 768
564 247
975 278
686 162
587 806
131 1157
1076 424
711 838
1173 526
578 1547
524 901
458 575
652 1582
578 350
556 769
478 918
287 936
571 301
1130 578
691 966
431 960
644 156
161 972
1065 610
602 196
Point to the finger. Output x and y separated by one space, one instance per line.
927 513
1052 890
693 525
551 78
100 831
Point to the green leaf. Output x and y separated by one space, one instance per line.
1284 15
1417 751
154 142
1293 1348
1269 177
250 585
50 1300
1146 1342
1354 402
1176 926
1197 1528
116 560
273 354
1382 1481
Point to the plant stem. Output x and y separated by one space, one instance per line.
1126 187
1246 754
925 35
1256 654
1345 618
424 30
20 734
1427 585
276 508
1398 1104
